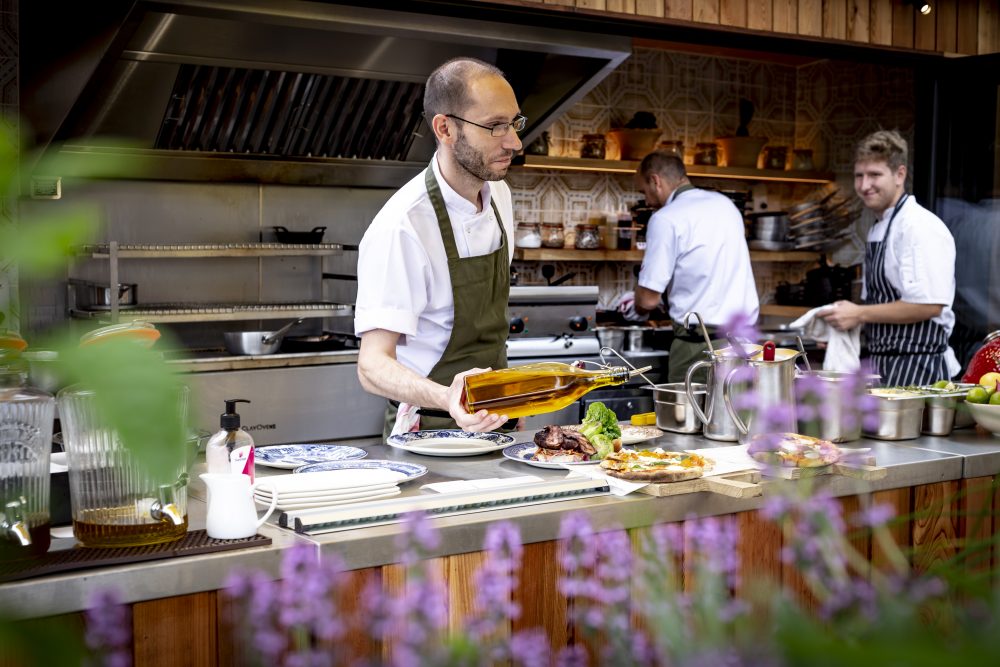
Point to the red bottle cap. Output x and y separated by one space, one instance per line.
768 351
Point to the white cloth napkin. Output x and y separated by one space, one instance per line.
843 348
407 419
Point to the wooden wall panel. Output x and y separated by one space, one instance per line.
946 26
858 16
357 641
924 31
679 9
180 630
811 17
621 6
760 555
989 27
935 524
733 13
759 15
649 8
564 3
975 520
785 15
835 19
393 582
461 571
880 21
706 11
600 5
901 501
902 24
967 21
860 539
542 605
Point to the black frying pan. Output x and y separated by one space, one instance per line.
324 342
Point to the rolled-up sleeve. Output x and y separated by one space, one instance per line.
660 257
393 272
926 253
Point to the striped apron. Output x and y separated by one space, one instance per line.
903 354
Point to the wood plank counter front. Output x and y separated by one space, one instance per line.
180 616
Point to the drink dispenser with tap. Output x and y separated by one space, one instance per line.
25 444
116 502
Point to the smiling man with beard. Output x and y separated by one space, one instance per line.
434 266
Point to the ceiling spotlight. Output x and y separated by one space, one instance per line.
923 6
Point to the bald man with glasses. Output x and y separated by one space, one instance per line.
434 265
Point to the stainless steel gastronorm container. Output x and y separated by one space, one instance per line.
673 407
939 415
899 418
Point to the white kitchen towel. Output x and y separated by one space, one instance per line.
843 348
407 419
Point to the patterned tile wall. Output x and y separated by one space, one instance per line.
9 131
826 106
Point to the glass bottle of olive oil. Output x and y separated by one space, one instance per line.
537 388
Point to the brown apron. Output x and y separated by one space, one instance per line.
480 287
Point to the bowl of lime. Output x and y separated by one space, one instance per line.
986 415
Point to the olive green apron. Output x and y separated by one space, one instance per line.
480 287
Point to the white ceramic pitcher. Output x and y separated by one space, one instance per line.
231 512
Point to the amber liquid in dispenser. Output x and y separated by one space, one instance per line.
536 388
41 539
108 527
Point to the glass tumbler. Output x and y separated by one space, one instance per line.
115 500
25 444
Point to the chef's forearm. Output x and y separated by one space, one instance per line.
899 312
646 300
380 373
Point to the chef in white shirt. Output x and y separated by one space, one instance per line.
909 273
434 265
696 255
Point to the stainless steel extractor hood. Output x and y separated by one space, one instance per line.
291 92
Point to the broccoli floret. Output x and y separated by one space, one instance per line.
600 419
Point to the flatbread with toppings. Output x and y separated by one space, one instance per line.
791 450
655 466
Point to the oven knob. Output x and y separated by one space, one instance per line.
578 323
516 325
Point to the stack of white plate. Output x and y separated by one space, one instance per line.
349 482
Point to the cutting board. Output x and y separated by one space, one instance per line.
735 485
862 468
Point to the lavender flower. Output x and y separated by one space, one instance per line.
875 515
495 581
572 656
741 327
255 598
109 628
530 648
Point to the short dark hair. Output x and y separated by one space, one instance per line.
447 88
666 165
888 146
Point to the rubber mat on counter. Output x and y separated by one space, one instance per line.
193 543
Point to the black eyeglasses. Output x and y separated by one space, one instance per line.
500 129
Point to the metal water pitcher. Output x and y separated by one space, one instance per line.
772 385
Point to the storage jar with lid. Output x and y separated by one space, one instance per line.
587 237
775 157
528 235
553 235
593 146
706 153
26 416
117 501
675 148
802 158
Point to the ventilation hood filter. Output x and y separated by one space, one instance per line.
285 91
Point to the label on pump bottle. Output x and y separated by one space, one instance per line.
241 461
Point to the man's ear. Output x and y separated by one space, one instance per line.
444 129
901 172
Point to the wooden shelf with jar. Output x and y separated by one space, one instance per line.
693 171
604 255
775 310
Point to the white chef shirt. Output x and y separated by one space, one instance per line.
403 280
695 245
920 262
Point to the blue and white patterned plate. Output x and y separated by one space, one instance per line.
523 452
408 470
449 442
293 456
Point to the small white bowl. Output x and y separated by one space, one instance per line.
987 416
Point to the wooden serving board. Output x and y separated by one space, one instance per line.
735 485
864 468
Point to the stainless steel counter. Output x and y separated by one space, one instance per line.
921 461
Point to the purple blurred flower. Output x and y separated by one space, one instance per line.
109 628
875 515
418 539
715 541
668 538
776 507
741 327
572 656
496 580
530 648
256 603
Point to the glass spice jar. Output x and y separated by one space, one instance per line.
593 146
587 237
775 157
706 153
528 235
553 235
802 158
675 148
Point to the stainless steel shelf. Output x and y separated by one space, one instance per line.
181 313
195 250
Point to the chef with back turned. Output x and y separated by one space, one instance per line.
434 265
909 273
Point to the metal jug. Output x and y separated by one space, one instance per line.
115 500
718 424
25 443
773 385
